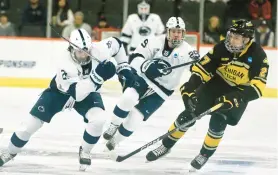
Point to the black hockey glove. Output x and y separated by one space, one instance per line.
104 71
128 78
154 68
230 100
189 97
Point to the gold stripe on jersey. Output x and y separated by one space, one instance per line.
258 85
261 79
235 73
246 49
198 69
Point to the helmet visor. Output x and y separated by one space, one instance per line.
176 36
235 42
81 57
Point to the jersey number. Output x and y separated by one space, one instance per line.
263 72
194 55
144 43
205 60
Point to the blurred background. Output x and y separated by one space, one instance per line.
206 19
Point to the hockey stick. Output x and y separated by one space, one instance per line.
180 65
94 58
122 158
177 66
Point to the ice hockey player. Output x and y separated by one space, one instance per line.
76 86
141 26
234 73
153 85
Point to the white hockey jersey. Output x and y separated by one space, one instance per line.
135 30
157 48
74 77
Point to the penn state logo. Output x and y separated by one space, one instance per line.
144 31
161 64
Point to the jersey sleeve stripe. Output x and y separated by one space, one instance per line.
205 76
263 80
259 86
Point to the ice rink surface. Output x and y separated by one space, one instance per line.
250 148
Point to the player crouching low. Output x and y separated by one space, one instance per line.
234 73
75 85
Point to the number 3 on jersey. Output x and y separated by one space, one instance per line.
144 43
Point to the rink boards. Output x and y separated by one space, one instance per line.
31 63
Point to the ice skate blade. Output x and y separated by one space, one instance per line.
83 167
113 155
191 170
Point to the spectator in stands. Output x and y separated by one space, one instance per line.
4 5
102 24
6 27
34 14
78 23
263 35
260 9
236 9
63 15
212 32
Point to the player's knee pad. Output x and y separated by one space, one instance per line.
29 127
183 118
128 100
96 120
217 122
134 119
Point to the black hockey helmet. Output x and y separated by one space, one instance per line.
243 28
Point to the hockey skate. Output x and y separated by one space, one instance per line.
84 159
110 145
157 153
198 162
5 157
110 132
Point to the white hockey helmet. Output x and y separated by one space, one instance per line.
81 41
175 23
143 8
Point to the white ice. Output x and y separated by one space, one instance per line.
250 148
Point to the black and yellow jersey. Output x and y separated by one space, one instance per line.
246 71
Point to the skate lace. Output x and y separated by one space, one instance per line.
201 159
85 155
6 156
160 150
112 129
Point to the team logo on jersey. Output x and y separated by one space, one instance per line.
175 55
166 53
144 31
41 108
250 60
163 66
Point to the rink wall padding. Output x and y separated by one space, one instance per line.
35 62
110 86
